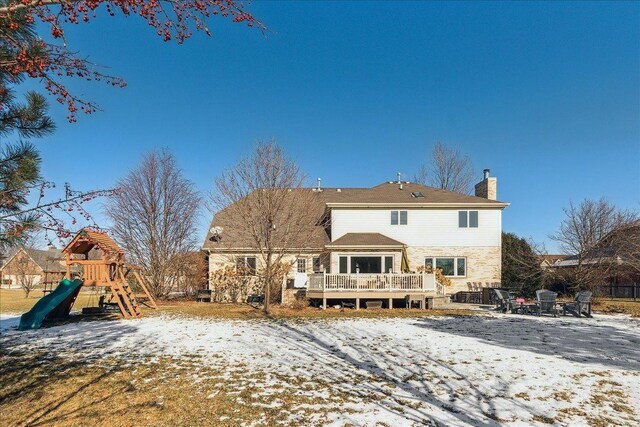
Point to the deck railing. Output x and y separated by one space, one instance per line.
420 282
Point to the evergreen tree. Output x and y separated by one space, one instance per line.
19 122
521 269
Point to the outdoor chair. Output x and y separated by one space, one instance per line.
411 300
546 302
203 295
579 306
347 305
504 302
255 299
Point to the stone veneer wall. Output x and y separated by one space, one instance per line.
484 264
221 260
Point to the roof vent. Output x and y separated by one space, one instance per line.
417 194
338 190
318 187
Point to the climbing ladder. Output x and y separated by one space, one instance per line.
125 298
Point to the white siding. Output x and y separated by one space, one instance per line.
426 227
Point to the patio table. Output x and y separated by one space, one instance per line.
523 308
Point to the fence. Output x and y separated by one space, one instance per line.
630 291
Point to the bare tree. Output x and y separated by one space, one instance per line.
601 238
26 271
262 203
447 169
154 219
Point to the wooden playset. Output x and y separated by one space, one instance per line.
95 259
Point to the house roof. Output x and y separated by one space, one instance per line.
365 239
390 193
550 259
385 195
50 260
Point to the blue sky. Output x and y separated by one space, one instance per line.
546 95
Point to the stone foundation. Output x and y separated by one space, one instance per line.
484 264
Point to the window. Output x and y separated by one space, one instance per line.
343 265
461 267
398 217
446 265
462 219
468 219
317 268
388 264
302 265
246 263
450 266
403 217
473 219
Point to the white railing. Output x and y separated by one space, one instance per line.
423 282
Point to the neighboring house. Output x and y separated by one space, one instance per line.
548 261
615 259
367 239
38 267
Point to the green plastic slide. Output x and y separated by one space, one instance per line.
57 302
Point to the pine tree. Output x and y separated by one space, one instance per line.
521 269
19 123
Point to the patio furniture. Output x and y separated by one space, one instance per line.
412 299
579 306
203 295
347 305
546 302
522 308
255 299
504 302
374 304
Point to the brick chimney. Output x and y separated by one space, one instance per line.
488 187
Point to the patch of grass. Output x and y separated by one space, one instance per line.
543 419
13 300
620 407
617 307
245 311
38 389
564 395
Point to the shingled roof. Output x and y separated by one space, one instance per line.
50 260
351 240
87 239
390 194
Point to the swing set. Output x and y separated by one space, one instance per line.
95 259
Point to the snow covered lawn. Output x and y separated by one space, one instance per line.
482 370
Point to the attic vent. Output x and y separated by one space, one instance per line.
417 194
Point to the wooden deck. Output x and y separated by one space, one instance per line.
372 286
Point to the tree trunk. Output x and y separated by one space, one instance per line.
267 280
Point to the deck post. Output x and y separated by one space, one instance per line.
324 303
357 303
390 303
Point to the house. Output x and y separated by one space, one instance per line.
548 261
612 261
374 242
33 266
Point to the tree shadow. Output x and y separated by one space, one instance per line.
593 341
29 367
461 402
